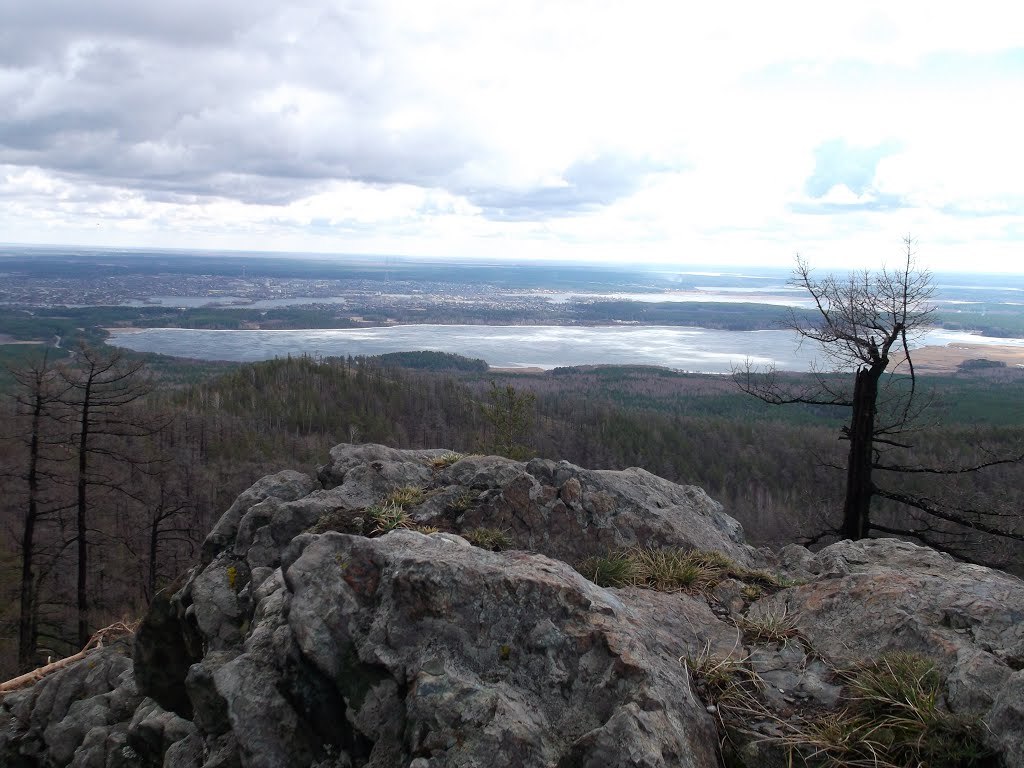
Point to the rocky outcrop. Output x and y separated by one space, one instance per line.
554 508
92 714
300 641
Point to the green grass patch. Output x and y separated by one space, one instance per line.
612 570
773 625
666 570
462 502
387 517
673 570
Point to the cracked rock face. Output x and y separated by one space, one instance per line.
300 642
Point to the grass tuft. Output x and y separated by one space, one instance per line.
670 570
446 459
387 517
664 570
494 539
462 502
612 570
895 719
774 625
406 496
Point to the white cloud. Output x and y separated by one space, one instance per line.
590 129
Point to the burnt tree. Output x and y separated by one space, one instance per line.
38 391
865 323
100 389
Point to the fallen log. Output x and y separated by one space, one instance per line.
114 631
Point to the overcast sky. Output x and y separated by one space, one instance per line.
701 133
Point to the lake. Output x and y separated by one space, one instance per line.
689 349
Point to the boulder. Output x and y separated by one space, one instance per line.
87 714
285 486
299 642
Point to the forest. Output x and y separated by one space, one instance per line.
115 465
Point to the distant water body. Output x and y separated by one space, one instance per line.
689 349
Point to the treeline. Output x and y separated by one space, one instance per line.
432 361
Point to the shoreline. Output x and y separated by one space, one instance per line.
947 358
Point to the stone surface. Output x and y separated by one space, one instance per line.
298 643
79 715
286 486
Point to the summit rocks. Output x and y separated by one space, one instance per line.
300 640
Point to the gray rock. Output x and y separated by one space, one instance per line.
571 513
873 596
366 472
287 647
526 663
1006 720
284 486
77 716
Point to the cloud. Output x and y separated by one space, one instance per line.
255 101
462 124
585 185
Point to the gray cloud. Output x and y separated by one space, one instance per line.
142 101
877 204
40 32
588 184
1013 206
253 100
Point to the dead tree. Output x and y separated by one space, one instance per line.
865 323
38 391
101 388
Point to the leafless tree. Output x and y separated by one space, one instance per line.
865 322
38 391
100 388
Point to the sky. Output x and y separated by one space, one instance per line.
687 133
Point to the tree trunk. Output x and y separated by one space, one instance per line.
83 552
154 546
859 488
26 616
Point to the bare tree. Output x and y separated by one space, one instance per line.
38 391
865 323
101 387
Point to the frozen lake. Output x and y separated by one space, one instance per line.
688 349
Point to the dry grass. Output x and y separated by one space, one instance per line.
462 502
670 570
665 570
406 496
895 718
446 460
774 625
494 539
612 570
